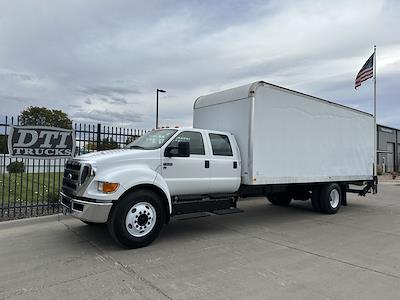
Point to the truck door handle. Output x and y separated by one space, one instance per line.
235 164
207 164
165 165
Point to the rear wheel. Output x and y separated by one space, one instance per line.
281 199
330 198
137 219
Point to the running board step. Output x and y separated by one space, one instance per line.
191 216
228 211
205 205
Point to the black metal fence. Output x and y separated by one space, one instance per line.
30 187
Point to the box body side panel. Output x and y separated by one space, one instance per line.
297 139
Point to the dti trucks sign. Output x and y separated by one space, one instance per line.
41 142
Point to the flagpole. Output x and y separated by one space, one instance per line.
375 129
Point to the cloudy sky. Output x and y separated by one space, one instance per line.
101 61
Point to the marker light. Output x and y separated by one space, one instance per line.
107 187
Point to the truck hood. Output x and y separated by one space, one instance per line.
119 156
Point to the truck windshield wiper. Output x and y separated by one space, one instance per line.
136 147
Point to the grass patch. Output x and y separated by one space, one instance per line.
29 188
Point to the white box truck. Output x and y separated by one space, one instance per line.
255 140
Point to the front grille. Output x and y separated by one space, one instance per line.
75 174
85 173
73 165
69 185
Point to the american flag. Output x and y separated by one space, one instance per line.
366 72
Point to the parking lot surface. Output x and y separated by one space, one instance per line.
266 252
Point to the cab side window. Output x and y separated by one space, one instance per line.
220 145
195 140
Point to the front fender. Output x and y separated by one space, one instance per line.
129 178
162 184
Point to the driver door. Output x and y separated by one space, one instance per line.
187 175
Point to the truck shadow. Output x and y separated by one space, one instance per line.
256 216
254 219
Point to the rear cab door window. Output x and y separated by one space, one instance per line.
220 145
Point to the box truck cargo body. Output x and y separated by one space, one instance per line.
288 137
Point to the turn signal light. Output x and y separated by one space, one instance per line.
108 187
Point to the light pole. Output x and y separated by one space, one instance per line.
158 91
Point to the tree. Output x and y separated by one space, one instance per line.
108 143
16 167
132 138
42 116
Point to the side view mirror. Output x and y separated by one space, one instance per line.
182 150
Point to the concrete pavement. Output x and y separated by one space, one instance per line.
266 252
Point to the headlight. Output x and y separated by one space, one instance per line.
107 187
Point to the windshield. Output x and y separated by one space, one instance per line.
152 140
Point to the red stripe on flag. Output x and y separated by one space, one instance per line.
364 71
365 77
362 79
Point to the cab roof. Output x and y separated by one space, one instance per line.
180 129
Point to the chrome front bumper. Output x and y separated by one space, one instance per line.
87 211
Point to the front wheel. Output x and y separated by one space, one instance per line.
137 219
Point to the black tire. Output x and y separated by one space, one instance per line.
330 200
280 199
315 200
118 215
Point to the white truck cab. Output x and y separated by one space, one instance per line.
254 140
168 168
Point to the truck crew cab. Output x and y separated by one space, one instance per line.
254 140
164 173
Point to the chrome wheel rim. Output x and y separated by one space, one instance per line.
140 219
334 198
